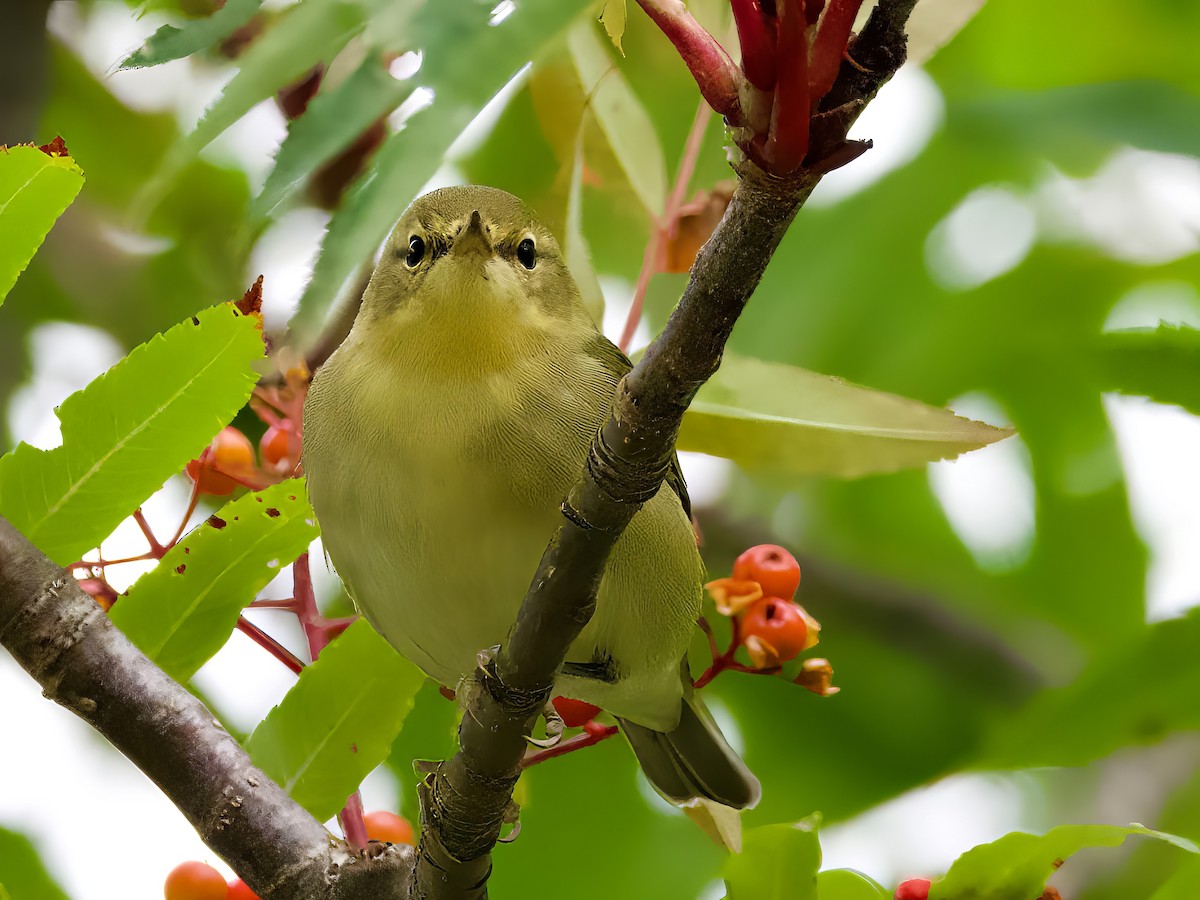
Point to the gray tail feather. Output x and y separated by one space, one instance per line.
693 761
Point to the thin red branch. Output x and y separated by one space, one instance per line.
717 77
272 646
787 139
756 35
156 549
587 739
191 508
829 47
351 819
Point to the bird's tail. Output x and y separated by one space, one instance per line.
694 760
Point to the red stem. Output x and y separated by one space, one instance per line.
829 46
787 139
351 819
668 224
757 38
717 77
156 549
587 739
288 604
272 646
812 10
191 508
306 607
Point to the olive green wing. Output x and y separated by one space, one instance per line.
617 362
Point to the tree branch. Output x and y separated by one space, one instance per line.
62 637
467 799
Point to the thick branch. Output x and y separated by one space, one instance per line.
64 640
465 801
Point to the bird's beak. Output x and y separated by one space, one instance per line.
471 239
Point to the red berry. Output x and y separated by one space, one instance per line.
280 446
195 881
575 713
772 567
387 826
778 623
913 889
239 890
230 454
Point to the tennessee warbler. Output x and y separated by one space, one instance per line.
439 442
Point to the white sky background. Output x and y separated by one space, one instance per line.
1139 206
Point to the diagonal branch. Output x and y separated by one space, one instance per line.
467 799
62 637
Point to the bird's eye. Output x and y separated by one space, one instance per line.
416 252
526 253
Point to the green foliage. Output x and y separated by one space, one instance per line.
782 418
1017 866
1159 363
777 862
1183 885
181 612
338 722
35 188
847 884
170 43
129 431
23 875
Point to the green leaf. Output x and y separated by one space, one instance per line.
22 872
129 431
1183 885
778 417
1159 363
777 862
449 35
1017 866
35 188
1136 695
575 248
847 884
181 612
621 117
614 16
175 43
338 722
333 120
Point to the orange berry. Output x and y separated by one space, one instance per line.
575 713
230 454
280 446
772 567
778 623
387 826
239 890
195 881
913 889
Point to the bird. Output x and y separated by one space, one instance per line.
440 439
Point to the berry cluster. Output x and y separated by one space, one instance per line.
766 621
199 881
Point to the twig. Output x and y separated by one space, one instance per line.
272 646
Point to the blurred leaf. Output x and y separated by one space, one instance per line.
181 612
35 188
575 249
614 15
847 884
430 732
332 121
22 872
1135 695
447 35
129 431
777 862
1183 885
934 23
1017 866
1159 363
338 722
175 43
768 415
621 117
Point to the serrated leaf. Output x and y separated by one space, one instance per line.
338 722
1159 363
1135 695
35 188
22 872
129 431
448 35
772 416
614 16
621 117
1017 866
170 43
181 612
847 884
311 32
777 862
331 122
